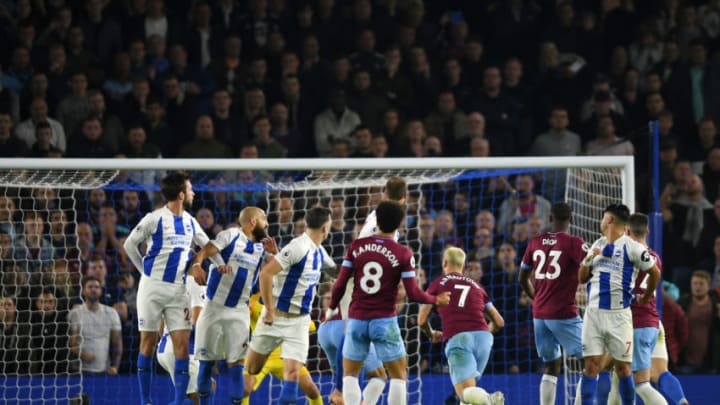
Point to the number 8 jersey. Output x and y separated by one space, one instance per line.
554 258
377 265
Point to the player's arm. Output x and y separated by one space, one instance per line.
434 335
585 273
525 282
338 290
116 350
497 322
269 270
136 237
208 251
416 294
652 283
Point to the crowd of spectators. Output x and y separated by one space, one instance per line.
356 78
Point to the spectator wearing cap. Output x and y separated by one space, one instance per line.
602 107
601 83
558 140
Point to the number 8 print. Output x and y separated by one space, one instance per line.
370 280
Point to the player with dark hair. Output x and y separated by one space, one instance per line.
287 286
170 233
378 263
648 335
467 335
610 268
551 261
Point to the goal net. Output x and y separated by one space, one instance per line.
489 207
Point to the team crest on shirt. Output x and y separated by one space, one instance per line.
412 261
188 228
585 247
645 256
617 253
258 247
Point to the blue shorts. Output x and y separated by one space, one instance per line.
329 336
644 340
384 333
550 334
468 354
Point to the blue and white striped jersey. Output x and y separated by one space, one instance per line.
294 287
245 257
614 271
169 241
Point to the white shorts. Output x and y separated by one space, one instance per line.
292 333
222 333
660 351
157 300
166 359
608 331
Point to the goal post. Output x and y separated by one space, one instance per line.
351 188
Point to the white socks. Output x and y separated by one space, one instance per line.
373 390
548 386
351 391
397 394
475 396
649 395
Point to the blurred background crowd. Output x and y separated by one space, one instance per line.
354 78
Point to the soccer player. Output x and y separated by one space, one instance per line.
165 354
552 261
170 232
611 267
378 263
646 324
287 286
467 335
331 334
223 328
274 364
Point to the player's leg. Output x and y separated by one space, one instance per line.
644 340
607 385
235 334
208 349
330 335
568 332
150 304
376 377
355 350
390 349
464 371
666 382
548 349
177 317
307 385
265 339
619 338
253 381
294 353
593 349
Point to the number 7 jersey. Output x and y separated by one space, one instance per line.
554 258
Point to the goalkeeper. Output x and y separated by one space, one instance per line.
274 364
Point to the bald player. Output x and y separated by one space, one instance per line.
223 328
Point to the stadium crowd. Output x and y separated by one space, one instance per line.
360 78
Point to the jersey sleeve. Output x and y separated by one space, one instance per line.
114 319
328 261
640 256
580 250
200 238
222 239
290 254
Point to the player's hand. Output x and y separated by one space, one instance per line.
198 274
645 298
442 299
270 246
112 370
269 317
224 268
249 383
437 336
